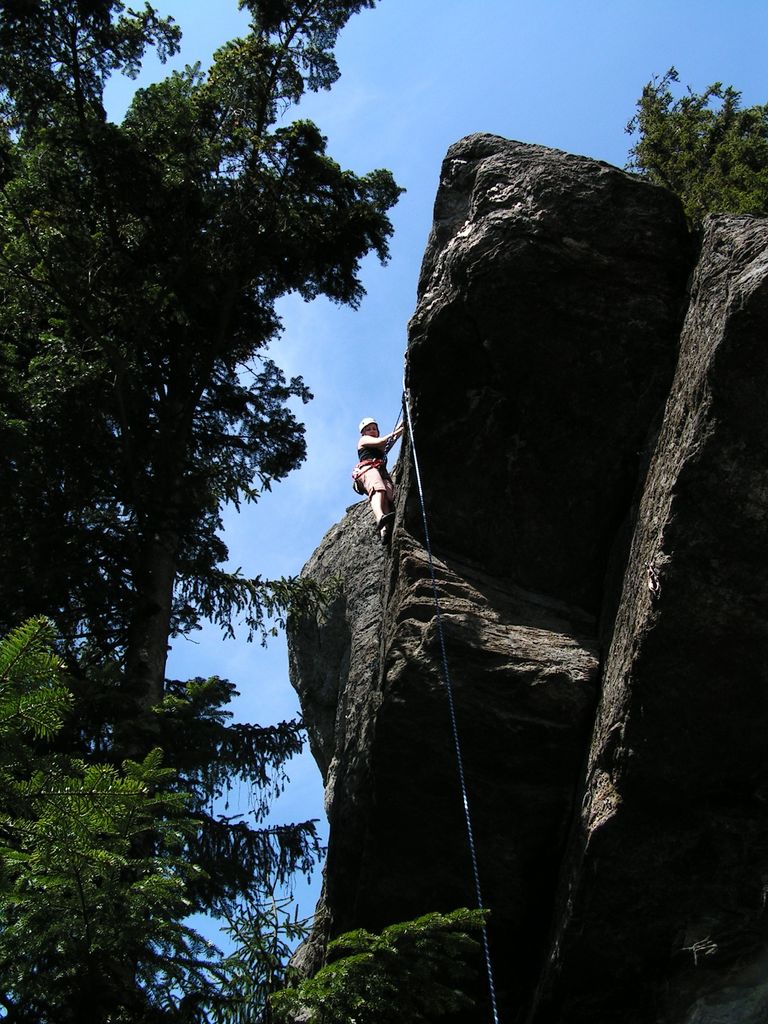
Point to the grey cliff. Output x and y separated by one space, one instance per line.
587 384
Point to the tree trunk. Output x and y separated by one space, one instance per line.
147 650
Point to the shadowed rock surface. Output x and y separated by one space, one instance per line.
601 569
666 891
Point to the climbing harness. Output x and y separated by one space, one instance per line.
452 712
364 465
359 472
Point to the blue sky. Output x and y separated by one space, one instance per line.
417 75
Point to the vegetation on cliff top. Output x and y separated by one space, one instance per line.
704 146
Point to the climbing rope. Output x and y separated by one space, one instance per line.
452 712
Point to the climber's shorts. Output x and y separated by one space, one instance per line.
373 481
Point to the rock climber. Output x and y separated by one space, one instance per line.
370 474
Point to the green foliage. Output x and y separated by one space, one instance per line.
705 147
32 700
40 41
263 605
211 756
78 895
265 931
410 973
93 880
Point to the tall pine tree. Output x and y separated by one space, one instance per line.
140 264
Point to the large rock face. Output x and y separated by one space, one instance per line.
543 345
595 488
666 882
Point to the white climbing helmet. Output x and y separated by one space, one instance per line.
366 423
